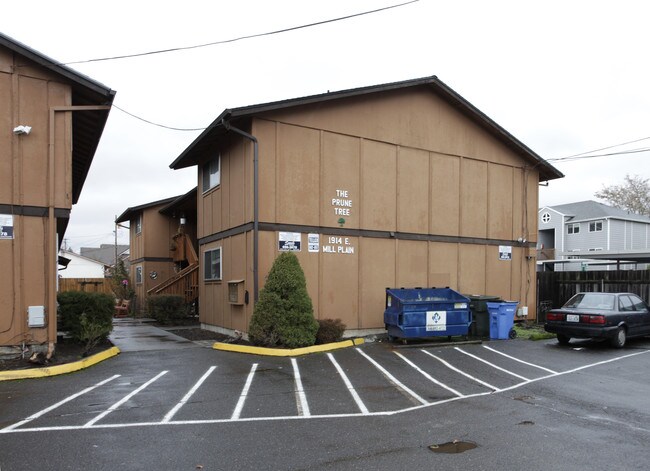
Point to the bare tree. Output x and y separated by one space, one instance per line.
633 195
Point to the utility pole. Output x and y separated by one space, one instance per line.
115 266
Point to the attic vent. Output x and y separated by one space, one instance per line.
546 218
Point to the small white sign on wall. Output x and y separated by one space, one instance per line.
313 242
6 226
289 241
505 252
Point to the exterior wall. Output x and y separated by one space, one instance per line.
29 276
431 196
150 249
81 267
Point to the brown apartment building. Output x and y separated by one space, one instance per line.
397 185
51 121
163 248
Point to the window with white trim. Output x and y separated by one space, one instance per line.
546 218
596 249
573 228
595 226
212 173
138 274
138 223
212 264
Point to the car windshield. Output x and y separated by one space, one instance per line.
591 301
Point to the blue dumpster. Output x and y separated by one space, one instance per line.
502 318
426 312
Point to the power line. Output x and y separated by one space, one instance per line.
624 152
603 148
156 124
241 38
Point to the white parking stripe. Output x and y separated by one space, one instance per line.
301 398
58 404
491 364
428 376
123 400
520 361
362 407
117 426
392 379
451 367
187 396
244 394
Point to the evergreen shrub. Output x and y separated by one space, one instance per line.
87 317
284 315
166 308
329 330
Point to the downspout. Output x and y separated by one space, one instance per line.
256 209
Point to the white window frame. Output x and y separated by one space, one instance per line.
546 217
596 249
208 275
597 226
138 223
138 275
573 228
211 174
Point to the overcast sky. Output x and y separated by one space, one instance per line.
564 77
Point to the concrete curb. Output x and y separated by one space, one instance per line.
59 369
286 352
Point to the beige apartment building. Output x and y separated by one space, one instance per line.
397 185
51 121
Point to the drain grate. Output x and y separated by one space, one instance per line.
455 446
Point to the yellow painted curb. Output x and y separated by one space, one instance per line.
287 352
59 369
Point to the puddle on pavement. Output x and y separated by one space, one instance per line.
456 446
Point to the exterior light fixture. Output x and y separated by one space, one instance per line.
22 129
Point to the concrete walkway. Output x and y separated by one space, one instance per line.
137 335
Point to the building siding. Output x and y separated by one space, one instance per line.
441 195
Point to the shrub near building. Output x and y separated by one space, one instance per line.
284 315
87 317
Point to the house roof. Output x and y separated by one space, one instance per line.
129 213
71 255
105 253
216 129
183 204
585 210
87 126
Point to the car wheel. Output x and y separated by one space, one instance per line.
563 339
618 340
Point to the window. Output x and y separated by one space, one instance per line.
596 226
212 173
596 249
138 223
638 304
212 265
625 304
138 275
546 218
573 228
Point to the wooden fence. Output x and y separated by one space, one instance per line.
555 288
95 285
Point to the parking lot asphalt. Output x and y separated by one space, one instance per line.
185 386
367 407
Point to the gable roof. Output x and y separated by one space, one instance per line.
87 126
594 210
216 130
184 204
129 213
105 253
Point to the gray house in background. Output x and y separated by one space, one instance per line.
592 233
